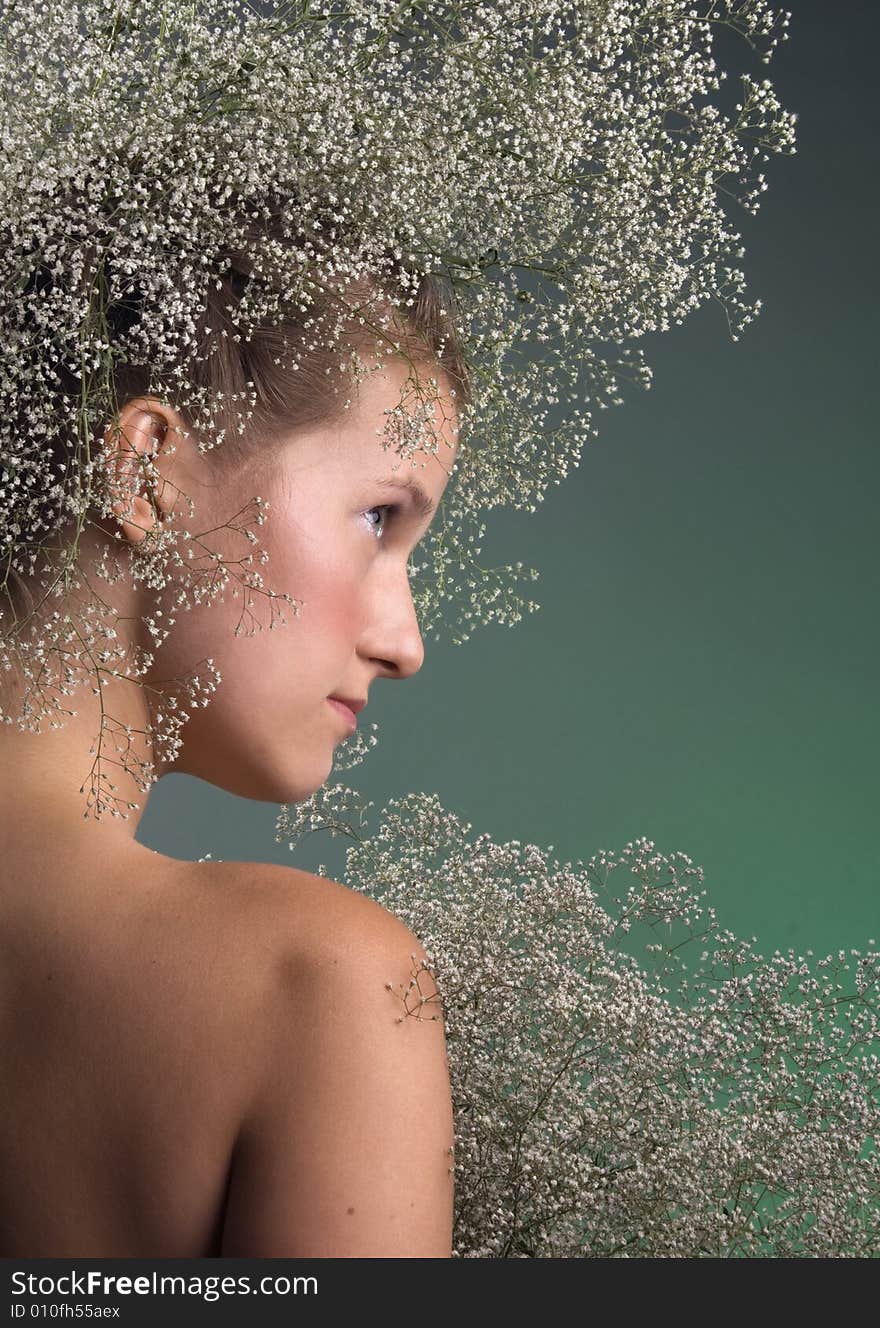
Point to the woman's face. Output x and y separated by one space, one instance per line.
269 731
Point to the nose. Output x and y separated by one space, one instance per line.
392 636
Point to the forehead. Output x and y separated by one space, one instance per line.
398 414
390 434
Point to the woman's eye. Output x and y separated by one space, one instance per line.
390 508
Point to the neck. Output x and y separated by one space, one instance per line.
61 786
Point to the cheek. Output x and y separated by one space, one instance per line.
327 580
315 558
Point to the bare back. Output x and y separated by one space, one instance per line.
140 1017
126 1049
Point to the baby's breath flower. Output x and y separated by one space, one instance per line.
607 1107
560 170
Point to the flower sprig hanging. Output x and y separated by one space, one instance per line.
181 174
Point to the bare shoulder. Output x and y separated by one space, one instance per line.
345 1144
268 933
297 913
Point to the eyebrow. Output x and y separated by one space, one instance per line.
424 505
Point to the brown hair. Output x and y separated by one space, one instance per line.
257 366
286 400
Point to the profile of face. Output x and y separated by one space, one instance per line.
343 519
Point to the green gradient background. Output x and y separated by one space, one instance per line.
701 670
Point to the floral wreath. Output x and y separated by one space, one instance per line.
541 181
553 171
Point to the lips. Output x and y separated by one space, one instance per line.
342 708
353 703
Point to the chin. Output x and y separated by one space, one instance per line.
289 789
267 784
283 775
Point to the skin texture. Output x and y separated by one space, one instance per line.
205 1058
268 732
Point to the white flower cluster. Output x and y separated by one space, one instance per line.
561 169
728 1106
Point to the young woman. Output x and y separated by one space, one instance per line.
205 1058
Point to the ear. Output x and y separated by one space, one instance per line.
139 448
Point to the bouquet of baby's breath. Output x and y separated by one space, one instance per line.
628 1078
181 177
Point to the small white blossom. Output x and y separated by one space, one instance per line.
561 169
606 1107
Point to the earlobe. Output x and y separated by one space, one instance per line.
141 496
